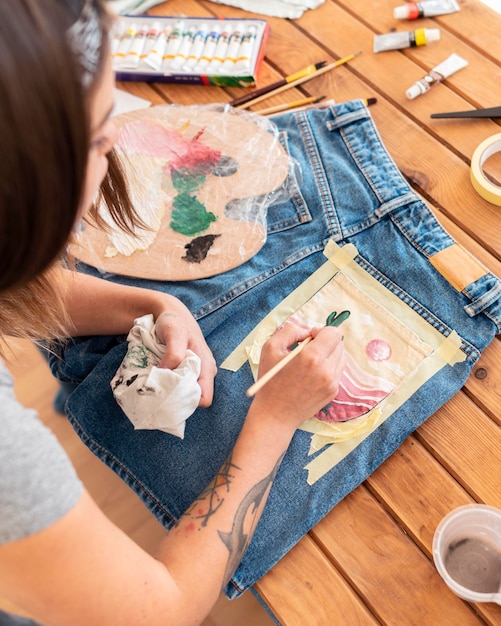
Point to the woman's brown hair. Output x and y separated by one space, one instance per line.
52 54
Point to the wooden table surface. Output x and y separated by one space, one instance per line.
369 561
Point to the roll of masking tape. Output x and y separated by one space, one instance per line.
482 185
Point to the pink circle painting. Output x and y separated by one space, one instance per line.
378 350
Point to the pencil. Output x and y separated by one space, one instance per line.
300 81
290 105
253 389
279 83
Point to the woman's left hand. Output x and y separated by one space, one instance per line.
178 330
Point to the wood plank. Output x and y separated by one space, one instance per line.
304 588
419 492
342 84
468 444
431 167
397 70
379 15
484 385
475 24
397 581
478 25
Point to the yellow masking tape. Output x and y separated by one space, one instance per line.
482 185
340 257
342 438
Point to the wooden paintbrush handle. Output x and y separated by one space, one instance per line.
259 384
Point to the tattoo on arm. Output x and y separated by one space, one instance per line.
246 516
212 496
244 523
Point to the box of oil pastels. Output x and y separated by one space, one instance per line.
197 51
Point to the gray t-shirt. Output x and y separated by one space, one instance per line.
38 484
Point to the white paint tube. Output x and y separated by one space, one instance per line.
426 8
452 64
405 39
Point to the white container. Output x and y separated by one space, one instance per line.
467 552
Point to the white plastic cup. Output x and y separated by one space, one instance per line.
467 552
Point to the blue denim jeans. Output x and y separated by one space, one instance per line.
9 619
352 192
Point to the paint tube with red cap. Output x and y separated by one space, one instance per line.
426 8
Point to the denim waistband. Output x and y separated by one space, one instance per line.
352 192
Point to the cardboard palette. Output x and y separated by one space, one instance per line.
202 180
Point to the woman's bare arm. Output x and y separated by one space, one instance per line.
83 570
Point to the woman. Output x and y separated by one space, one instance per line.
61 560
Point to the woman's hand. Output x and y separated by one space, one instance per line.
309 381
178 330
100 307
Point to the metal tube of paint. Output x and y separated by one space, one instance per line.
209 50
220 51
131 59
443 70
405 39
246 49
196 48
234 44
156 54
426 8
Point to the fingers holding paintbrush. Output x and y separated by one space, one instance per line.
301 381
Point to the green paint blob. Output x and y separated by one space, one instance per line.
187 183
189 216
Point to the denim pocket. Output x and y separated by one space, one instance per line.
286 215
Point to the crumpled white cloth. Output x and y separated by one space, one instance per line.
292 9
132 7
153 397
